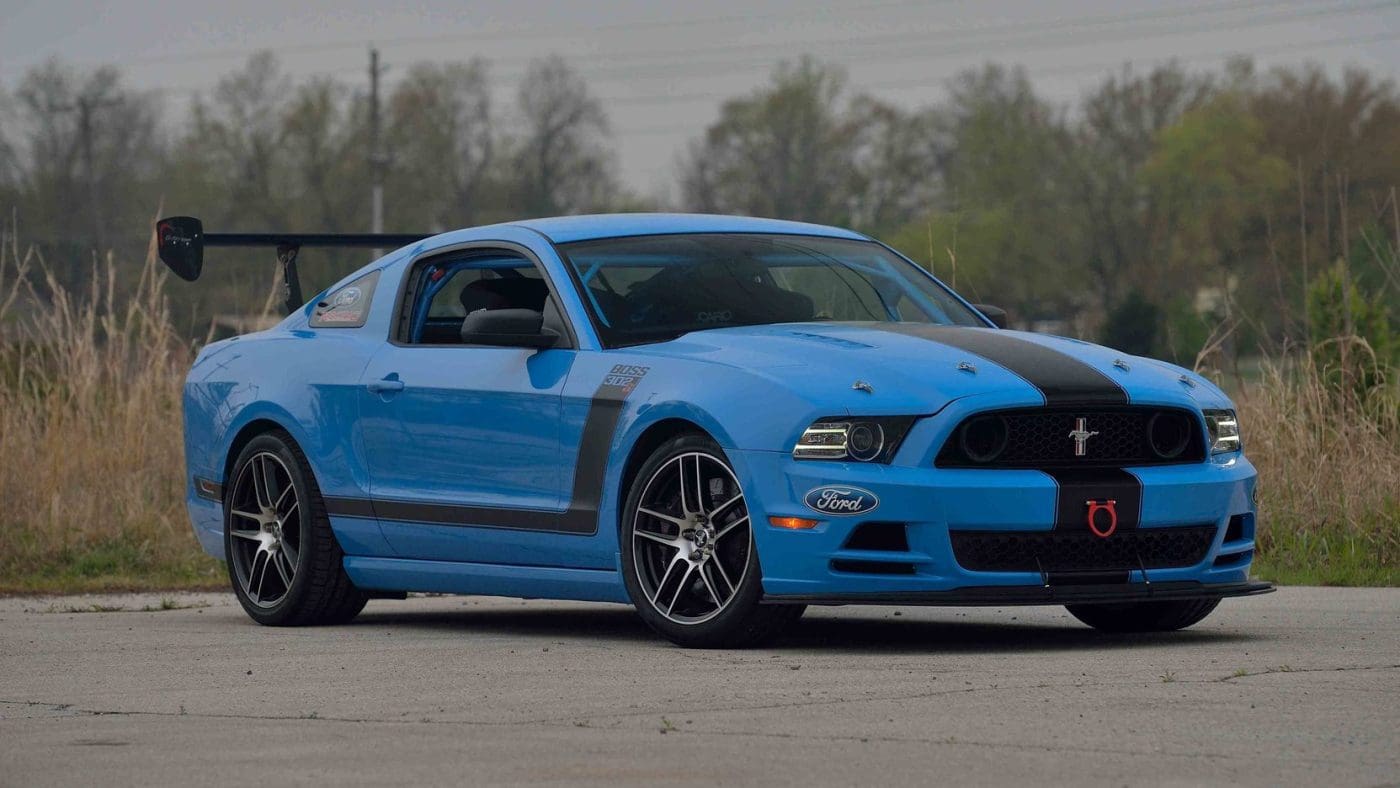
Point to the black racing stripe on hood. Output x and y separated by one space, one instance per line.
1061 378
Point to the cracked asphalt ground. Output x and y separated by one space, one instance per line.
1300 687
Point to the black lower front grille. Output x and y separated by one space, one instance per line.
1081 551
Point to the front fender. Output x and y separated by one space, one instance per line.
741 411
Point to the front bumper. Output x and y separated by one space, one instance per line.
817 565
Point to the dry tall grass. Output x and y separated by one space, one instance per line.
90 449
91 470
1329 474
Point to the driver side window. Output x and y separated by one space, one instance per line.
445 291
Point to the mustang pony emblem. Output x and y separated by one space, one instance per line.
1109 507
1081 436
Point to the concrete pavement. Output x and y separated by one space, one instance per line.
1300 687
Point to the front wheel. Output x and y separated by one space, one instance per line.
688 554
1144 616
283 560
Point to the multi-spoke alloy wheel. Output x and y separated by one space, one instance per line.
266 529
284 562
689 557
691 538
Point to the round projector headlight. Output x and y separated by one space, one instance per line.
865 440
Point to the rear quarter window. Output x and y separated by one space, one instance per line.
346 306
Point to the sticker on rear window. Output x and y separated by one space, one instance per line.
347 307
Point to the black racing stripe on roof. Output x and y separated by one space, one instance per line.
1061 378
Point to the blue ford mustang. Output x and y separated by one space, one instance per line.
719 420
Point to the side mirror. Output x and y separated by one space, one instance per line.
993 313
508 328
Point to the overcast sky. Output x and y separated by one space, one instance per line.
661 68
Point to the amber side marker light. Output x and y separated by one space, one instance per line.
794 523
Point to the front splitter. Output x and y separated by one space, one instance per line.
1036 595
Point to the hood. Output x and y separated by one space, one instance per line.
918 368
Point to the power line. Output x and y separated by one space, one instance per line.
647 131
956 33
923 80
1024 42
1025 38
497 35
617 60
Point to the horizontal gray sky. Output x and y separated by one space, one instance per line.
662 68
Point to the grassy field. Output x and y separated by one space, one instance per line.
91 468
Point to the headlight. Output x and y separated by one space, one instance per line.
1224 431
859 439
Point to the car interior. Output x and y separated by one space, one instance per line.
450 291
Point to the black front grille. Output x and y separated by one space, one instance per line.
1042 437
1081 551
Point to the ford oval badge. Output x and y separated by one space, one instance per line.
841 500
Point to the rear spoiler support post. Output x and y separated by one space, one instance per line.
291 281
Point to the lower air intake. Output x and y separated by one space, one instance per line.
1081 551
873 567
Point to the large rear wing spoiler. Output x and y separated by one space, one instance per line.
180 243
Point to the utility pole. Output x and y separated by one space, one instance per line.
376 155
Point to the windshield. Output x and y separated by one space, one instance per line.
655 288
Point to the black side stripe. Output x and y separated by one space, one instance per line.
581 518
1062 379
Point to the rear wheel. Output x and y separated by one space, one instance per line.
688 554
1144 616
283 561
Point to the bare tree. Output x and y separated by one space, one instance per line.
786 150
896 164
238 135
1114 139
76 148
561 159
324 141
442 138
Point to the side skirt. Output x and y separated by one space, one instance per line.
460 577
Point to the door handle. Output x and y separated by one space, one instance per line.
388 385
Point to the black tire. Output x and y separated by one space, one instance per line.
741 620
320 592
1144 616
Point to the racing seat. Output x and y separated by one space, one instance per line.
513 293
